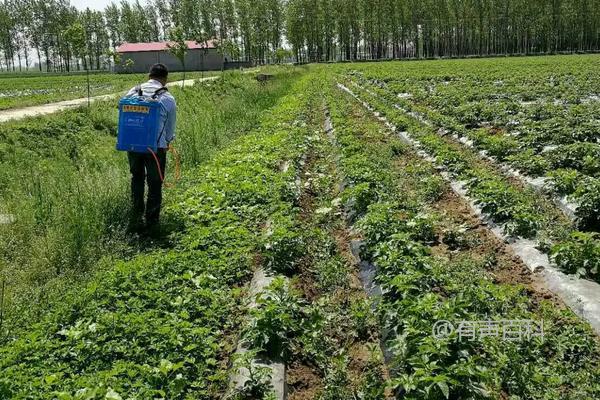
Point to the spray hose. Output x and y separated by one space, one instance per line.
177 166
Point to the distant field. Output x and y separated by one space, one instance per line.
22 90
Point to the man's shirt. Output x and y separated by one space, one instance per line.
168 111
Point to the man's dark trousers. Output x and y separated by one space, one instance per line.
143 167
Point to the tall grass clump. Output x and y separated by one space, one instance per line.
65 189
233 107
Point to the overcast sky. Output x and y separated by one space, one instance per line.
94 4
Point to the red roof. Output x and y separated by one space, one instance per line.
159 46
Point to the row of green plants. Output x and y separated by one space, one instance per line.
557 139
429 270
162 324
343 346
520 209
547 135
312 317
68 189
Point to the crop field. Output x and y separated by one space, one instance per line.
33 89
535 120
326 222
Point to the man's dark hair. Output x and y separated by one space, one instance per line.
159 71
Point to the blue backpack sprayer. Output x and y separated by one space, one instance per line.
139 125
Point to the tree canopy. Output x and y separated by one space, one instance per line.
51 31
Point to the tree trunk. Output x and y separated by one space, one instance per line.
39 57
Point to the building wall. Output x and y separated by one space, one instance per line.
195 60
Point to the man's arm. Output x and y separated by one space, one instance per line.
171 108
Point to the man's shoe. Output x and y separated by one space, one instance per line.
152 228
136 225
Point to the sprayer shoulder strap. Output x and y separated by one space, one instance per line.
159 92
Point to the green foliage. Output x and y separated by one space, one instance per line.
216 112
358 197
565 181
588 202
507 204
361 315
529 162
433 187
75 35
229 48
159 325
178 48
258 386
584 157
276 320
68 189
373 384
282 54
456 238
580 255
551 137
497 146
332 273
337 381
283 243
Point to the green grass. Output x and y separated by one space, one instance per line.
69 189
234 106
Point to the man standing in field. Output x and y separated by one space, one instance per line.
144 166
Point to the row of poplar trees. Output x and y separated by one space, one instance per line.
54 34
376 29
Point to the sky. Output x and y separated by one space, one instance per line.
93 4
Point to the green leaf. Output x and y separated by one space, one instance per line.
112 395
444 388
